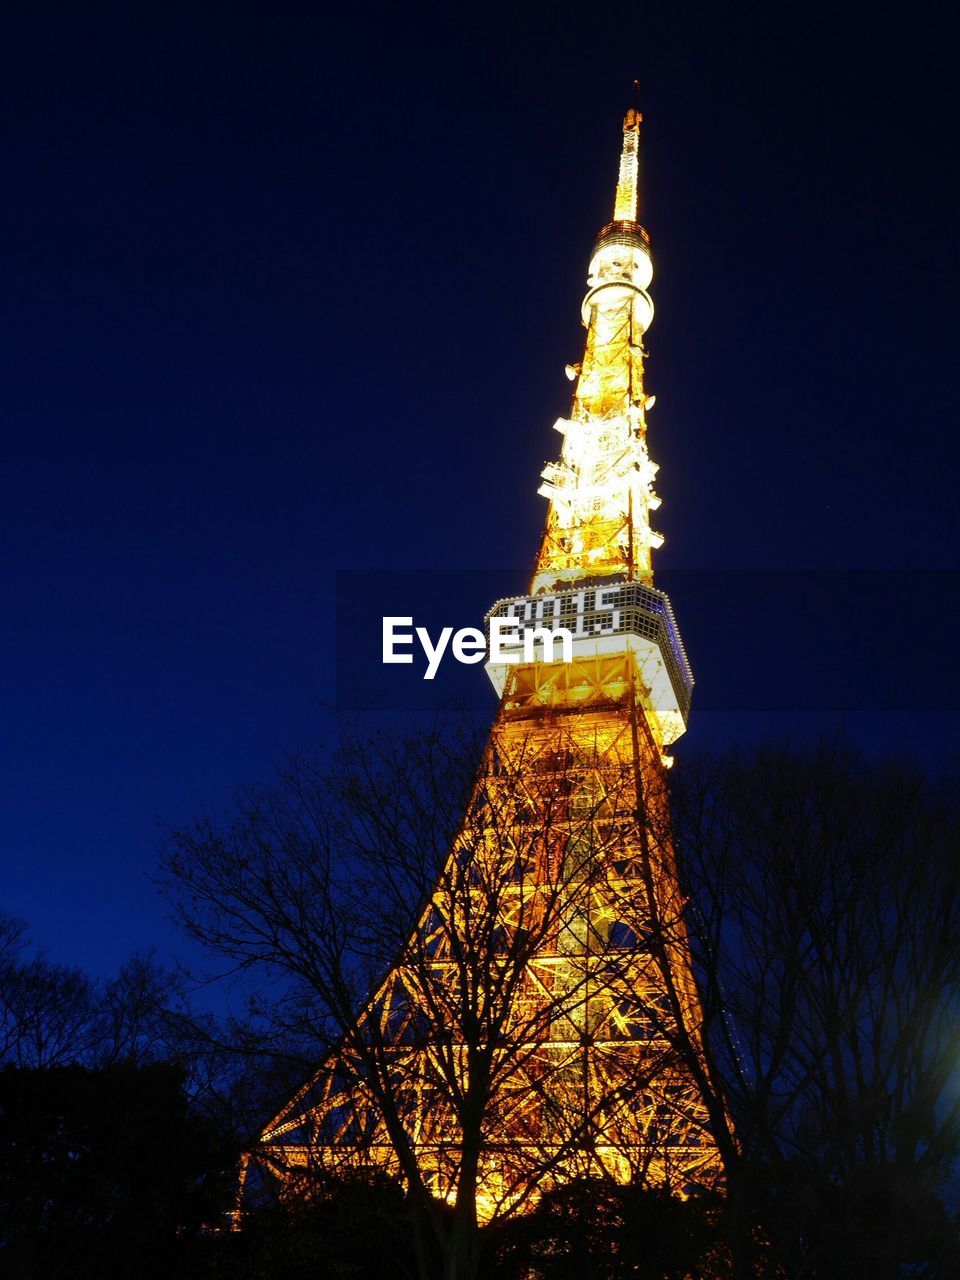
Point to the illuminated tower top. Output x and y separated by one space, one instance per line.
601 490
594 572
625 205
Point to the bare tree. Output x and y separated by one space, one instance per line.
476 989
54 1015
47 1011
825 918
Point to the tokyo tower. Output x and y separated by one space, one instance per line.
542 1022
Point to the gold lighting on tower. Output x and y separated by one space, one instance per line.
625 205
573 786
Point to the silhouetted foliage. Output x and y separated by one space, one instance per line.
876 1220
55 1015
824 918
825 922
103 1172
345 1228
598 1230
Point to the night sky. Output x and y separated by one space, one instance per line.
289 295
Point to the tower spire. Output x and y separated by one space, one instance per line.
625 205
601 490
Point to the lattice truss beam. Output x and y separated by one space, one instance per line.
540 962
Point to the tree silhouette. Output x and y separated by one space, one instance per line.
823 908
432 961
825 918
103 1172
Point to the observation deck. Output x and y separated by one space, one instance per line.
605 619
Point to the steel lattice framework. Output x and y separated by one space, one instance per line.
564 867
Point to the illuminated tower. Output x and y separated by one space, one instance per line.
597 1051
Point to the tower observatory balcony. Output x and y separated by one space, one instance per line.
605 619
621 262
629 235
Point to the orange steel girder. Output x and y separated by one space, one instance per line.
596 1085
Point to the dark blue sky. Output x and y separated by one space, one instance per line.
287 295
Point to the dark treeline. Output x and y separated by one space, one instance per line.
824 915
